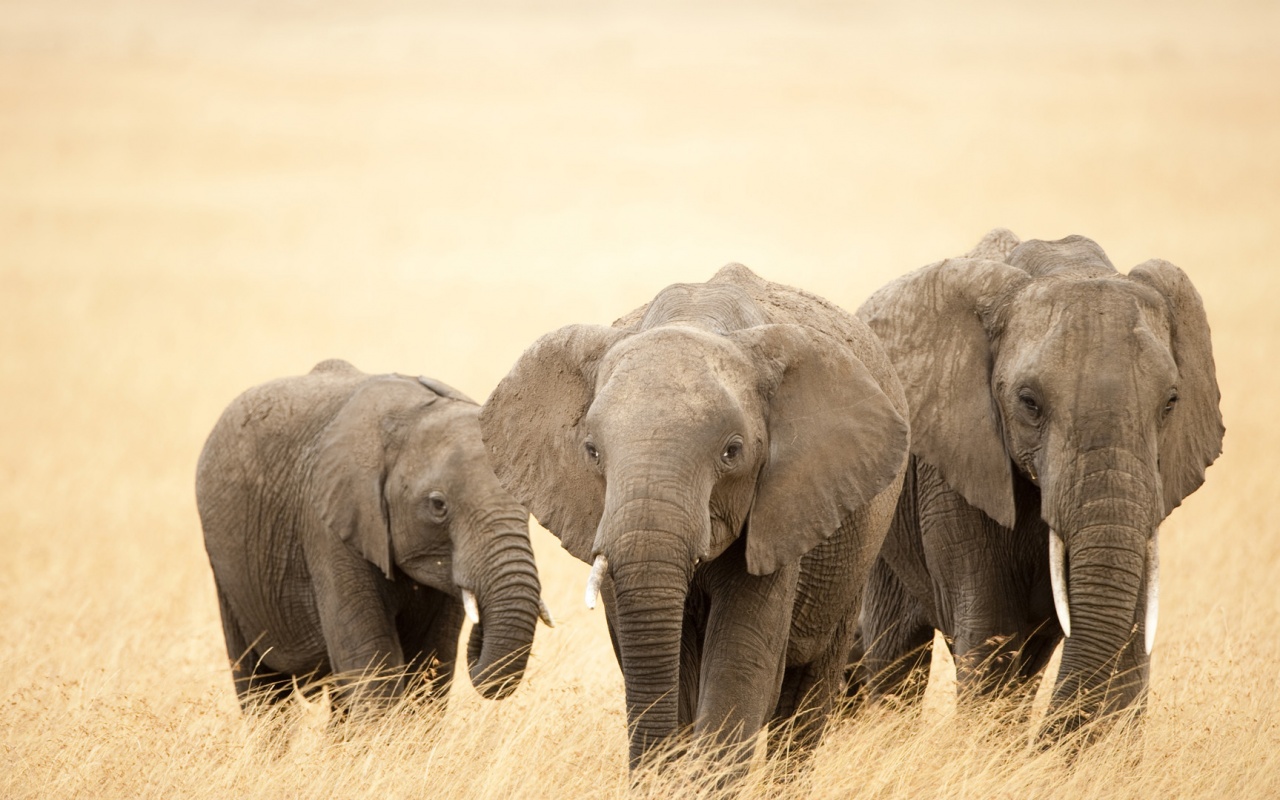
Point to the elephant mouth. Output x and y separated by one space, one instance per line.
472 608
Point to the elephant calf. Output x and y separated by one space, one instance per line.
349 520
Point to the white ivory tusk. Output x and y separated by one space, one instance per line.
544 614
1058 576
598 569
469 603
1153 589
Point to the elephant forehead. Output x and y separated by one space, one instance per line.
717 307
447 442
674 373
677 357
1088 327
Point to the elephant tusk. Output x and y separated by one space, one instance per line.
1058 577
1153 589
469 603
544 614
598 569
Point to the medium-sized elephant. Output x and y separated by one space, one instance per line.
350 519
728 459
1059 411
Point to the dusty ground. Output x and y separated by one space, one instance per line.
199 196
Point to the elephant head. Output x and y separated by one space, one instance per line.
402 477
1099 389
652 449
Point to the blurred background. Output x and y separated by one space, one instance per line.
196 197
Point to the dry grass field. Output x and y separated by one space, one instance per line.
197 196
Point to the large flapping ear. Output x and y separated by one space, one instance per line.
352 459
531 429
1192 437
934 325
835 442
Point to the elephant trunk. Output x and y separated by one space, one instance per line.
507 600
650 588
1107 557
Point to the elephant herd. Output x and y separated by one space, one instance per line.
781 501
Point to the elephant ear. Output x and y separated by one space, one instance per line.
934 323
835 442
354 453
1192 439
531 426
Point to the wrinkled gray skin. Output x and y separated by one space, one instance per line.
1047 391
343 515
735 450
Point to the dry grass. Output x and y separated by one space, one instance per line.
198 196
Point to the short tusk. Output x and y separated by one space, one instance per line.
544 614
598 569
469 603
1153 589
1058 577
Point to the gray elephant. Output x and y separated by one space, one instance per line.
728 459
350 519
1059 412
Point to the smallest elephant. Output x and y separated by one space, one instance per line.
349 520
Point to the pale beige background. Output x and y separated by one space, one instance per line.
199 196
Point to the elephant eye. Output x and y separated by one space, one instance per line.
1028 401
437 504
1171 402
731 451
592 453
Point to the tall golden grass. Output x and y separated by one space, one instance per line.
199 196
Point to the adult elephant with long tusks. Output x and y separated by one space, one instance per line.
727 458
350 520
1060 410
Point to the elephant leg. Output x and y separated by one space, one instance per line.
692 633
896 640
1035 655
256 685
428 627
360 633
743 652
808 695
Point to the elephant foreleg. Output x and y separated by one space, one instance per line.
360 634
743 653
808 696
692 633
428 627
896 640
